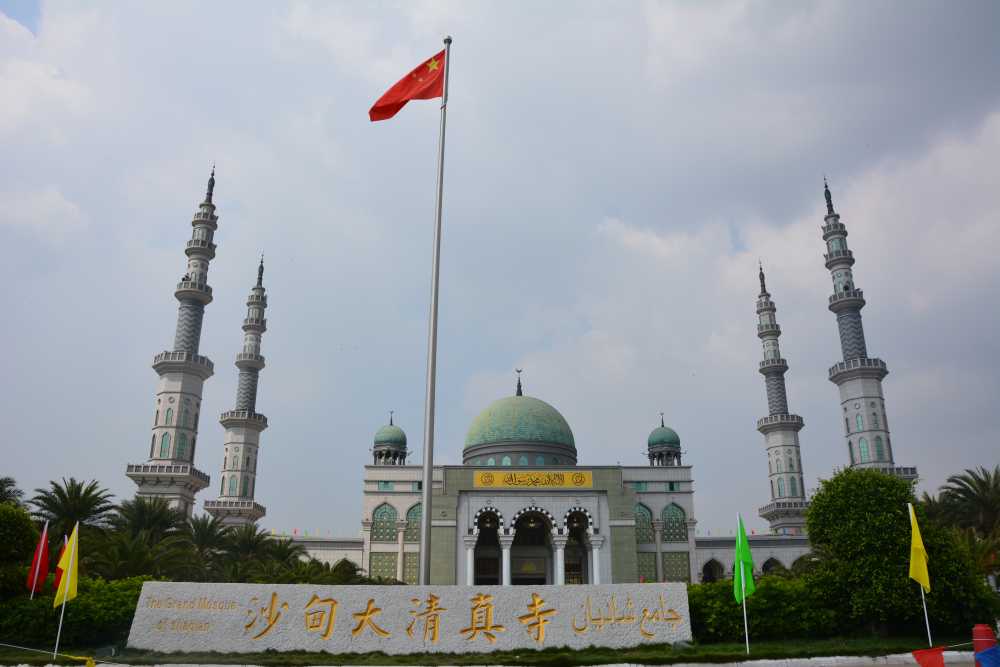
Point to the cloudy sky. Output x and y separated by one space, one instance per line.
614 172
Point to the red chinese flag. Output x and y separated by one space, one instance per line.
930 657
425 82
40 563
59 572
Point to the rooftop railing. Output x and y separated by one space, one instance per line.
853 364
166 469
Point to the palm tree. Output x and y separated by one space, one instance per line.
123 554
9 493
937 508
247 543
975 498
63 505
152 516
207 538
286 553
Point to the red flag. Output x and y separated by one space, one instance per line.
40 563
930 657
59 573
425 82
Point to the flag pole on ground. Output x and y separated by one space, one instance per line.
41 556
918 566
743 586
67 585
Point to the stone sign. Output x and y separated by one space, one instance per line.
242 618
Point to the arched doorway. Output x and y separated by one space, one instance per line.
712 571
531 552
772 566
487 556
577 557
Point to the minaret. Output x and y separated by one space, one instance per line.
170 473
858 376
244 424
787 510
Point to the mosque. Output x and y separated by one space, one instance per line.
521 509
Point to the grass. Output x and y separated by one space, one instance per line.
652 654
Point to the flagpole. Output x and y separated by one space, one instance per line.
67 575
926 620
428 483
38 565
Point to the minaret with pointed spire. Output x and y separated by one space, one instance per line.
235 504
858 377
170 473
787 510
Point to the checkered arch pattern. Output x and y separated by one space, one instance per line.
581 510
489 509
540 510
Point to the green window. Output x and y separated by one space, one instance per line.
781 487
169 417
165 446
863 446
412 533
677 566
411 568
491 461
638 486
859 421
850 451
879 449
644 527
539 460
385 486
522 460
672 486
182 446
384 525
794 483
232 485
245 491
419 486
674 524
383 564
647 566
874 420
505 461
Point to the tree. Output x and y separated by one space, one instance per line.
859 529
18 537
63 505
247 543
152 516
286 553
974 499
9 493
207 538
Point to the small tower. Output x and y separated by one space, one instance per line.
244 424
170 473
858 377
787 510
390 445
663 446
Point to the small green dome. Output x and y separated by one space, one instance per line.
664 436
390 435
519 419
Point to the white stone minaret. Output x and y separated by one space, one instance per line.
243 424
170 473
859 377
787 510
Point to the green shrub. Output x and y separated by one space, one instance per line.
18 535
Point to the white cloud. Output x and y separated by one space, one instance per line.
45 212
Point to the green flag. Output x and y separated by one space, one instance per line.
742 576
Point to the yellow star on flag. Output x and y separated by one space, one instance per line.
432 64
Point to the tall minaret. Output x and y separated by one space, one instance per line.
244 424
858 376
787 510
170 473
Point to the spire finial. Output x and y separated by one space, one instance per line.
390 417
518 392
662 425
763 289
260 271
829 197
211 186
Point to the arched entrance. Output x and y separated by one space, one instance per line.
773 566
531 552
712 571
487 556
578 548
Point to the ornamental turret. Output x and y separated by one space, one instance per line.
787 510
235 504
858 376
170 473
663 446
389 446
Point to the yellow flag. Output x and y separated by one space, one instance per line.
68 564
918 555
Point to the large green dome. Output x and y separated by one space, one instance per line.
664 436
390 435
519 419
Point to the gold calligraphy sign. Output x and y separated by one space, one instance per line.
526 479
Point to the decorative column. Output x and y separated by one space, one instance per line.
243 424
470 559
400 529
595 546
505 543
170 473
559 544
658 537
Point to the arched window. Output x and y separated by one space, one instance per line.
165 446
169 417
539 460
859 421
232 485
245 491
505 461
794 484
477 462
152 446
781 487
491 461
522 460
791 464
879 449
384 523
772 488
182 417
777 465
850 451
248 463
555 460
222 490
156 419
874 420
644 525
863 447
847 425
412 533
182 446
674 524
